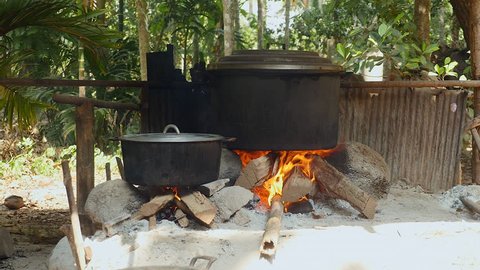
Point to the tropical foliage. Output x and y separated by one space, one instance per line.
41 39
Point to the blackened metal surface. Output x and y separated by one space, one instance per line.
267 110
171 164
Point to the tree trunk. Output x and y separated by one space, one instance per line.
228 20
287 24
143 37
422 20
121 16
101 5
196 49
461 8
455 34
250 6
474 37
441 28
236 14
261 23
81 59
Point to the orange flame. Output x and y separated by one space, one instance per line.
288 160
246 156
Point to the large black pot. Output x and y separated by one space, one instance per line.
171 159
276 100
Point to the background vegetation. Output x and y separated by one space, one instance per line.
102 40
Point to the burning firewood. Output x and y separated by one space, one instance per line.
268 246
296 186
153 206
198 206
256 172
337 183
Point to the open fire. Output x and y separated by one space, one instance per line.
285 164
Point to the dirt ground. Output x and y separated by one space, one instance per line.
407 220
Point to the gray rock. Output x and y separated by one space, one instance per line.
61 257
241 218
230 166
112 199
231 199
364 167
6 244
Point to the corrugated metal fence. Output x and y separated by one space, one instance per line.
418 132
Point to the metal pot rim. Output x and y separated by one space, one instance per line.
171 137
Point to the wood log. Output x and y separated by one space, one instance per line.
256 172
108 227
153 206
473 206
152 222
337 183
181 218
296 186
198 206
211 188
76 233
268 246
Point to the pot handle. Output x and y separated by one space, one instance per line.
171 126
210 260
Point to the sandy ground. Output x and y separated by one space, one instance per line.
411 230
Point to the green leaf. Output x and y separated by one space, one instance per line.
447 60
431 48
382 29
341 50
423 60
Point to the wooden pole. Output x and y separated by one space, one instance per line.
121 170
84 119
268 246
474 20
412 84
108 172
75 233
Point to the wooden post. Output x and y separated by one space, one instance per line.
75 234
474 20
84 119
85 152
108 172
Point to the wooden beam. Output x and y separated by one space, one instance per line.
78 101
73 83
412 84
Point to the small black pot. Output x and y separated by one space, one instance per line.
171 159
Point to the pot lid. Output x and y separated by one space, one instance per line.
275 60
171 137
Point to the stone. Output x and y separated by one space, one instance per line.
14 202
241 217
6 244
364 167
61 257
300 207
231 199
111 199
230 166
